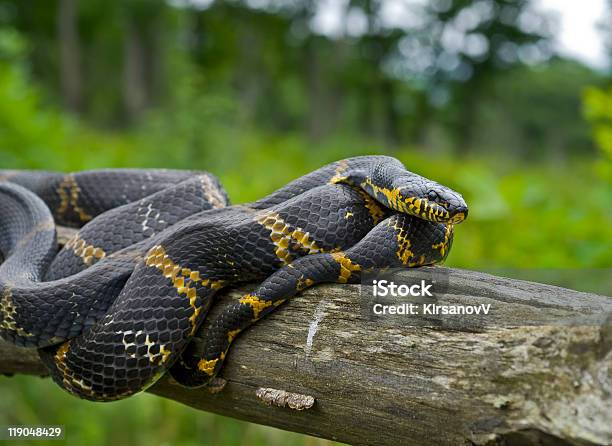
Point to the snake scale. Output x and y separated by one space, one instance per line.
123 301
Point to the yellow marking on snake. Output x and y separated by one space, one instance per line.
340 169
302 283
156 353
68 191
404 254
163 353
67 376
183 279
60 355
346 266
417 204
256 304
443 245
207 366
231 335
373 208
283 237
458 217
89 253
8 312
211 192
393 196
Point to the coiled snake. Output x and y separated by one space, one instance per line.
121 303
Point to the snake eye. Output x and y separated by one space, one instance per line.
432 195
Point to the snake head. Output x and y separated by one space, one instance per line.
387 181
415 195
431 201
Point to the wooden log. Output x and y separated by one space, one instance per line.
388 381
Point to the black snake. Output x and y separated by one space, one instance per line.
123 300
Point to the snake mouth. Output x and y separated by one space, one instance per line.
427 210
458 217
435 212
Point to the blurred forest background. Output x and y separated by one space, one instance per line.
471 93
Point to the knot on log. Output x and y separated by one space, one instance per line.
282 398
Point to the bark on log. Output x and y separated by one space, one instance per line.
384 383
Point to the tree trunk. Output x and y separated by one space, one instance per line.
316 103
135 79
70 55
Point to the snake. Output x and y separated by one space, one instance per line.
123 301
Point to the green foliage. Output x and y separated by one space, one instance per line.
37 135
598 110
535 111
283 75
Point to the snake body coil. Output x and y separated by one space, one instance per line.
124 299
